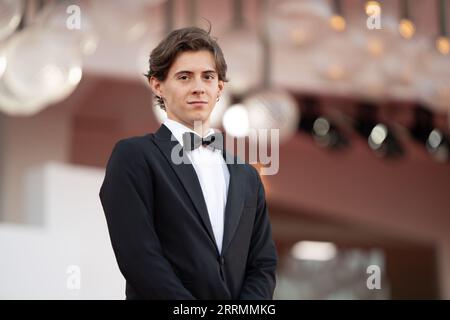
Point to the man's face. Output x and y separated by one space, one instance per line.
191 88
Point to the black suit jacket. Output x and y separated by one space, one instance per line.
161 233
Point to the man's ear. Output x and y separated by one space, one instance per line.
221 85
155 85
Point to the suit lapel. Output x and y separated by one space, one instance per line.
235 200
187 176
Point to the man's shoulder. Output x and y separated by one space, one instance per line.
252 171
249 171
134 145
237 160
134 141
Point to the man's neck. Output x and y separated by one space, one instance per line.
199 127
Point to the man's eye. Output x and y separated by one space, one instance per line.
209 77
183 77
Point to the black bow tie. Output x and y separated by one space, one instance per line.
192 141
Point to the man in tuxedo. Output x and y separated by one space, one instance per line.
198 229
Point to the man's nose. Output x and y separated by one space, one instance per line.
199 87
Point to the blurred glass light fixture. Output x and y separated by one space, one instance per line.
372 7
433 85
54 16
123 21
400 68
443 45
442 41
243 50
42 63
14 106
298 23
370 82
337 58
377 42
43 68
10 16
236 121
3 62
337 20
375 45
273 109
338 23
406 28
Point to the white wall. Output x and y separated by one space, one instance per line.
25 142
69 228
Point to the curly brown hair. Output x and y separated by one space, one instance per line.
182 40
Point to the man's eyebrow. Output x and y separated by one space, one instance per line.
190 72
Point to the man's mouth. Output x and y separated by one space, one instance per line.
197 102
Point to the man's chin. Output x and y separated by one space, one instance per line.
198 121
199 117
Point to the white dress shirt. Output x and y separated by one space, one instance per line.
213 175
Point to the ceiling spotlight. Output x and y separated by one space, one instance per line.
324 132
383 142
434 139
423 131
438 145
327 135
380 137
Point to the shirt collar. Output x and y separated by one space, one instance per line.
178 129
